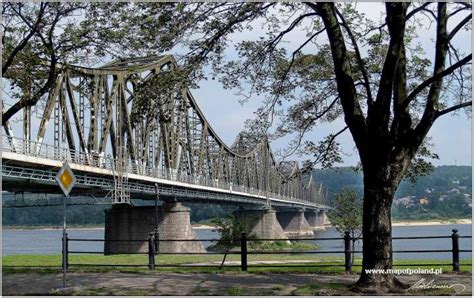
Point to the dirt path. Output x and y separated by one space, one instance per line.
177 284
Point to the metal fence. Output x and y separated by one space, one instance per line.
244 252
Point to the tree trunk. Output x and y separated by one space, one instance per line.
379 189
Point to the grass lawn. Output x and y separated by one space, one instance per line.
298 263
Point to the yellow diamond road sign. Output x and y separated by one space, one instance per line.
65 178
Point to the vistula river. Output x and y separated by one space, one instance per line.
48 241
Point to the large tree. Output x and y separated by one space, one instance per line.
373 73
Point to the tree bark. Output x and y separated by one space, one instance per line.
380 184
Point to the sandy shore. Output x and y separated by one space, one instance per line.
204 227
431 223
395 224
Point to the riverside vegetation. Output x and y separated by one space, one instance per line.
230 229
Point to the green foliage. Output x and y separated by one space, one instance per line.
282 245
204 213
87 215
322 289
347 215
230 229
451 184
53 216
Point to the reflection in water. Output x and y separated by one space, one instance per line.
49 241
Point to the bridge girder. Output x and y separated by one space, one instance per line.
92 110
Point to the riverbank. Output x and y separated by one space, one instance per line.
463 221
52 228
198 226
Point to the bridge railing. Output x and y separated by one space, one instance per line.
47 151
245 247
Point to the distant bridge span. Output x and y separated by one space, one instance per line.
96 120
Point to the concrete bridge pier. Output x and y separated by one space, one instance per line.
294 223
261 223
315 219
123 222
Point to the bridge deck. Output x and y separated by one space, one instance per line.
21 172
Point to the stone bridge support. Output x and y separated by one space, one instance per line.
316 219
123 222
261 223
294 223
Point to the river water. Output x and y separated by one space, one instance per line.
46 241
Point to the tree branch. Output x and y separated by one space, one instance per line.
322 156
293 56
209 44
278 38
459 26
24 42
24 102
353 114
439 67
380 112
308 125
453 108
416 10
436 77
359 57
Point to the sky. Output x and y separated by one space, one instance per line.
451 135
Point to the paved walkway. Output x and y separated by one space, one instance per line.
177 284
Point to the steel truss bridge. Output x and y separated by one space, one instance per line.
125 137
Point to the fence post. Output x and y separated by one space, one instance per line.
64 257
347 251
67 252
157 241
243 252
455 240
151 251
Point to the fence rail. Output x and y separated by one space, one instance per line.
244 252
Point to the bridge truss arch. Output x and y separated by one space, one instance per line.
92 117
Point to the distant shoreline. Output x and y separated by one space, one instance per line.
23 228
464 221
210 227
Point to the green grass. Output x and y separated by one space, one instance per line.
282 246
235 291
109 291
52 263
267 245
200 291
322 289
240 291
